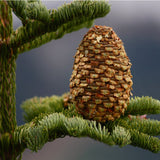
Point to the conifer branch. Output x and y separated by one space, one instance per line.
89 8
45 128
66 19
18 8
143 105
35 106
121 136
137 106
144 141
137 138
123 131
148 126
64 29
32 10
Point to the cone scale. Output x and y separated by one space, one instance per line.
101 82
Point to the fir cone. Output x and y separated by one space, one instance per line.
101 82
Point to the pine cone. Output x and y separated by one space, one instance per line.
101 82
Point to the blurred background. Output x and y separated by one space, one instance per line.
46 70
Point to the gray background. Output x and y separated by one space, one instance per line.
46 70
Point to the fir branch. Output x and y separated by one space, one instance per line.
38 11
27 33
64 29
148 126
99 132
18 8
77 9
143 105
121 136
35 10
35 106
144 141
66 19
123 131
32 10
44 128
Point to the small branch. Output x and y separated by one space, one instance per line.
64 29
77 9
123 131
148 126
121 136
35 106
64 20
143 105
44 128
145 141
26 11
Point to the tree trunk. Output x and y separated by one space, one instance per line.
7 102
7 85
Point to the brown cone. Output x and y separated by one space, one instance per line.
100 83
